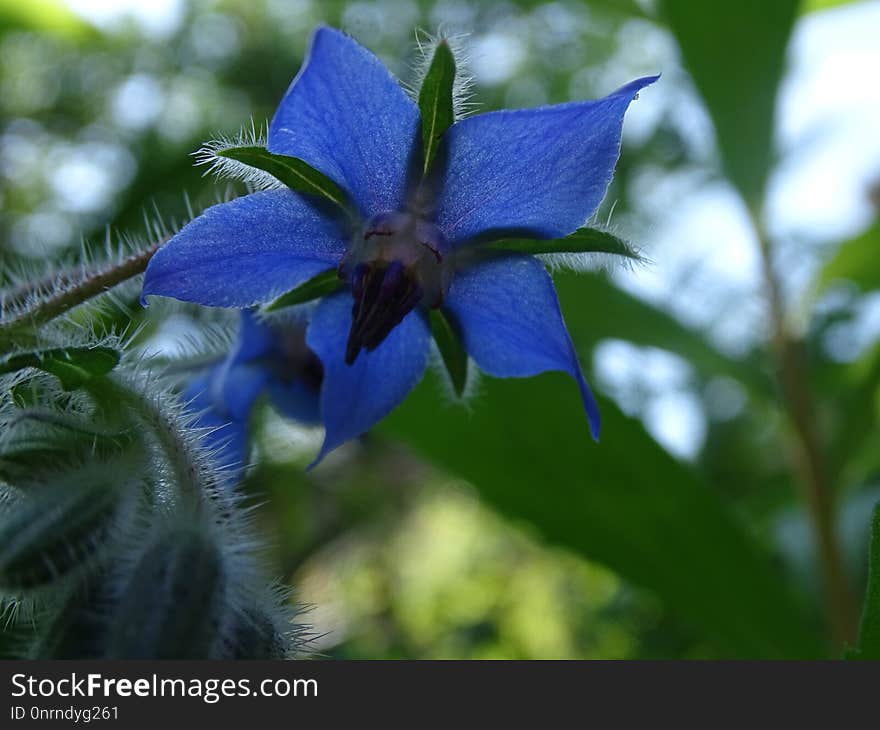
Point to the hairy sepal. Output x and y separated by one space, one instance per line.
58 526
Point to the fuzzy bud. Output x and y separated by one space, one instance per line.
54 528
173 602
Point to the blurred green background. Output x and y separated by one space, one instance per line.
497 529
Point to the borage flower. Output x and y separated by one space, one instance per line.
265 359
421 199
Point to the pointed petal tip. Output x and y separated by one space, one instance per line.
149 289
345 115
595 425
322 30
634 87
591 407
326 448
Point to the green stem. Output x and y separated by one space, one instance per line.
81 289
811 460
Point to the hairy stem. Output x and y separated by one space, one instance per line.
75 291
809 454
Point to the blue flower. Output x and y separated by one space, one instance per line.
539 173
271 359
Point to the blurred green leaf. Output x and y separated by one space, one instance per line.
857 260
625 502
583 240
811 6
853 452
318 286
596 310
293 172
44 16
735 52
435 101
73 366
869 630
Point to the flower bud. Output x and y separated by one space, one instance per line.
173 602
54 528
73 630
255 635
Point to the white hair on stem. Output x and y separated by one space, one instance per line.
225 168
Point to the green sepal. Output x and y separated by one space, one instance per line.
36 441
583 240
255 636
435 101
74 629
73 366
293 172
451 350
318 286
56 526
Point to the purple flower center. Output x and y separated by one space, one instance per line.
398 261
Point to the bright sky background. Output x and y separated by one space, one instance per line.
828 122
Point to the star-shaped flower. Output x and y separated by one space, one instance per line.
414 237
271 359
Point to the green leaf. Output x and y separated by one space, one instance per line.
318 286
735 52
869 629
583 240
451 350
525 446
291 171
852 451
435 100
73 366
857 261
812 6
49 18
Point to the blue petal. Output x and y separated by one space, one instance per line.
255 339
296 400
227 438
238 387
511 325
540 171
354 397
246 251
244 379
346 116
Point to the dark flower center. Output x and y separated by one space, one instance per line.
297 361
398 261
